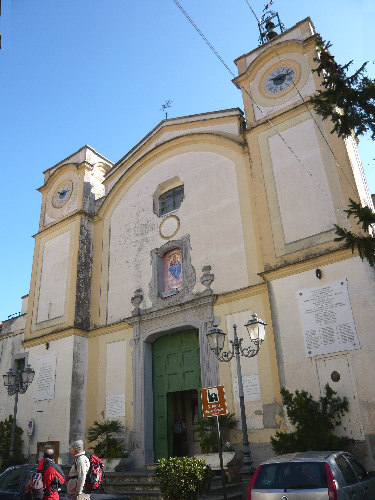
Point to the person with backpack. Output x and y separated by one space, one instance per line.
77 475
52 475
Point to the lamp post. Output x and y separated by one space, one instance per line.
216 338
17 382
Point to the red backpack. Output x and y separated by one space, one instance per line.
95 473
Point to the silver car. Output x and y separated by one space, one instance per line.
312 475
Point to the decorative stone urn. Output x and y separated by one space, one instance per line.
213 460
116 464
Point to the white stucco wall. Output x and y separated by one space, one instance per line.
115 380
53 278
25 304
296 370
9 346
249 369
209 213
51 417
301 184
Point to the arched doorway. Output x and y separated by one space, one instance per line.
176 376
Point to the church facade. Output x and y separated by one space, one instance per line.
211 217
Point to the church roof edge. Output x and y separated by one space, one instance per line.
175 121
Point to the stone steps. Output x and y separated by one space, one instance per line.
145 485
133 485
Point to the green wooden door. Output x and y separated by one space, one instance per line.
176 367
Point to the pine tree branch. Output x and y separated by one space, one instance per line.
348 100
364 244
365 215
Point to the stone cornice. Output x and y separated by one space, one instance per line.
112 328
200 300
55 335
242 293
11 334
63 221
307 264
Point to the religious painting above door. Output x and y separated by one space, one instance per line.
172 271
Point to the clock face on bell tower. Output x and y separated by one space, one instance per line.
279 79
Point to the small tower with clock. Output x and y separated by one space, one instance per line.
60 288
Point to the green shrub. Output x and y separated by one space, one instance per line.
314 422
208 432
107 445
183 478
9 461
5 434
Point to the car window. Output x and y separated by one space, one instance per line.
358 468
291 475
269 476
11 480
346 470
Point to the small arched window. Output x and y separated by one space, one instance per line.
171 200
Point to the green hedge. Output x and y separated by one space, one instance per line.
183 478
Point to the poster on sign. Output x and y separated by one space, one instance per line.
30 427
213 401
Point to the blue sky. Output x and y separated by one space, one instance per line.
75 72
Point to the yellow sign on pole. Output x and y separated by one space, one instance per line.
213 401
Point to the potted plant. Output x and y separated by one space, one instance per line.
108 447
208 439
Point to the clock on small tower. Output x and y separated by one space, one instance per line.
62 194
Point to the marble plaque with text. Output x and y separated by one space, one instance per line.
327 319
45 374
115 406
251 389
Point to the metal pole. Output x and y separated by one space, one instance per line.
11 449
29 452
245 441
219 447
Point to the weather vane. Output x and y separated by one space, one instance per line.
165 106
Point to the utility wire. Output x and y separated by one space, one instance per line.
249 95
250 7
204 37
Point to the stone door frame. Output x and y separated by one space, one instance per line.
148 326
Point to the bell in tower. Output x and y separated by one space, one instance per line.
267 26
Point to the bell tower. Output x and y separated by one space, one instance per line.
302 174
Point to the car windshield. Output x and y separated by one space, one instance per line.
11 480
291 476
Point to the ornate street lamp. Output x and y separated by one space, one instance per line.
16 383
216 338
